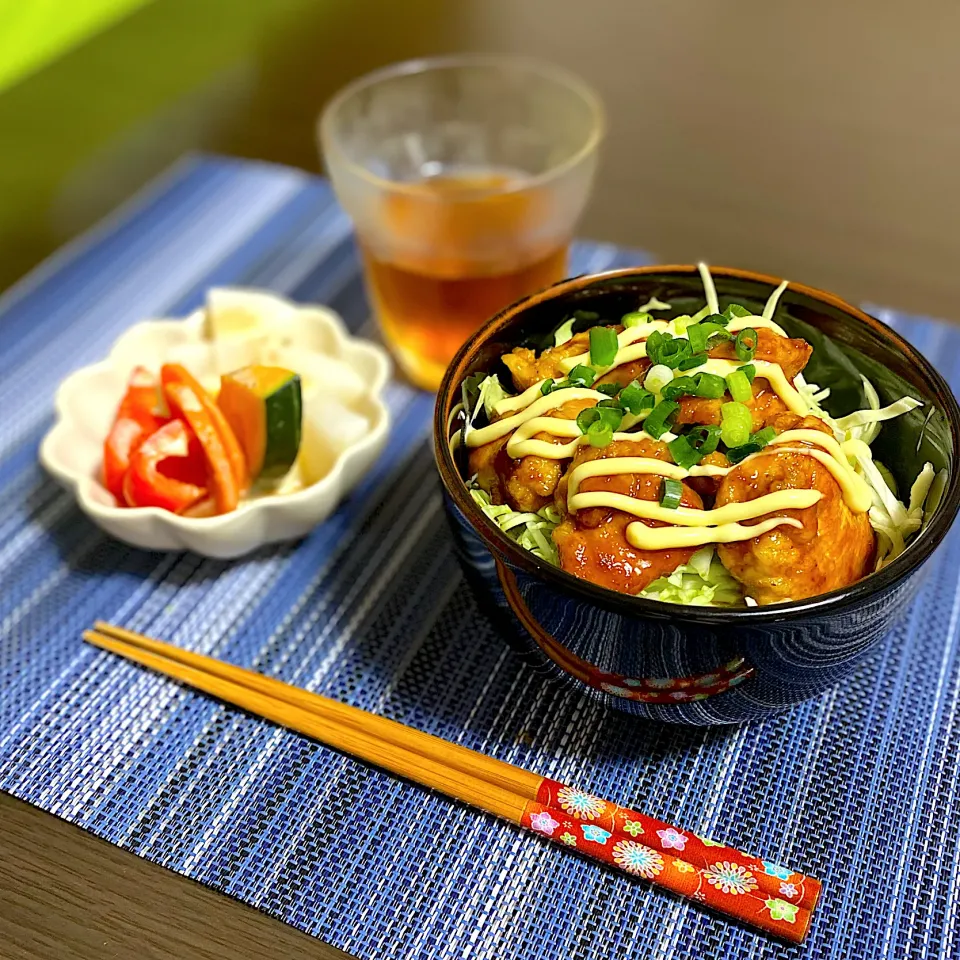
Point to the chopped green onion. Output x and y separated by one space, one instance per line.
673 352
680 324
755 444
610 389
603 346
709 385
735 310
654 341
684 453
717 338
546 386
599 434
745 344
671 493
607 413
635 318
697 360
656 423
666 350
736 423
697 337
700 334
748 370
635 399
739 386
610 412
586 418
736 454
658 376
581 376
704 439
679 387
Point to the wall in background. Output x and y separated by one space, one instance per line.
816 140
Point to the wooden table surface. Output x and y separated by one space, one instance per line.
67 895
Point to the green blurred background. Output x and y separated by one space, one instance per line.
98 96
815 140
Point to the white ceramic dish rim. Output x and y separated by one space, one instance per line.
346 347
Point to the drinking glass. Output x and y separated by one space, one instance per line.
464 177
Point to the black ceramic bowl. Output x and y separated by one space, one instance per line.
704 665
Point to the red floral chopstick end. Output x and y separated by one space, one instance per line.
754 891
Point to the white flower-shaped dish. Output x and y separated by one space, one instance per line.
87 400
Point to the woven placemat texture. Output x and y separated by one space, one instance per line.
859 787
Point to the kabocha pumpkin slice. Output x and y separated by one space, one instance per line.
264 408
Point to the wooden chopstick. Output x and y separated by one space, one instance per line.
734 883
432 773
456 757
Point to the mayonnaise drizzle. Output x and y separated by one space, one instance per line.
613 466
522 444
855 490
500 428
642 537
688 517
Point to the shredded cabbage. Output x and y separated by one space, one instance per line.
709 289
564 332
771 305
865 424
892 521
814 394
653 304
491 393
701 582
531 530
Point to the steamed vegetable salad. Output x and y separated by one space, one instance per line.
173 445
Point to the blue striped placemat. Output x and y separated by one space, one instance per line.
859 787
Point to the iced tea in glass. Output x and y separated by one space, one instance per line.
464 177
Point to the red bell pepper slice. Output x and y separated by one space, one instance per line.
176 373
137 418
143 399
145 486
186 403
